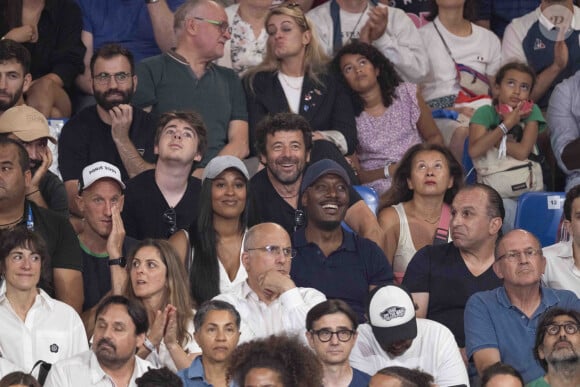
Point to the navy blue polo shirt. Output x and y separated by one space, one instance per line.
346 274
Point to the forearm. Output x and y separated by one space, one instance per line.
132 160
544 80
239 149
181 358
479 145
162 22
36 197
570 155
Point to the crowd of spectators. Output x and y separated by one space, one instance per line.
205 225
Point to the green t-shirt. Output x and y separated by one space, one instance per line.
488 117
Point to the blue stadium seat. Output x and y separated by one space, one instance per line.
370 197
540 214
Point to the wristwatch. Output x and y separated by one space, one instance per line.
121 261
151 1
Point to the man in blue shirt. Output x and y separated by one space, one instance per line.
330 259
217 331
500 324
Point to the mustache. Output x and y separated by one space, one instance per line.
113 91
106 341
287 160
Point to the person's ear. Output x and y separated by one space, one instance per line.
27 83
134 83
80 203
246 260
497 269
495 225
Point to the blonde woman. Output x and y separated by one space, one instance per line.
294 77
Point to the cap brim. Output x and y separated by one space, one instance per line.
390 335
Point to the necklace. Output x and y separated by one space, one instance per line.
11 224
288 196
287 79
432 221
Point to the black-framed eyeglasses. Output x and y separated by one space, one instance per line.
274 250
299 219
223 26
570 328
170 218
325 335
105 78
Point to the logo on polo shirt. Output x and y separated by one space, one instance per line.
53 348
539 44
393 312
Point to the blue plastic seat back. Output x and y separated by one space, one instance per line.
540 214
370 197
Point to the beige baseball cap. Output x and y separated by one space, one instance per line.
26 123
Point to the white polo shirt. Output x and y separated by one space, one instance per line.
84 370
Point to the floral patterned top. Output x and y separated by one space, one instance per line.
246 50
386 138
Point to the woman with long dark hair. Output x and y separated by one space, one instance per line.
157 281
212 247
390 114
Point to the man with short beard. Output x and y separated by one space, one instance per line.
120 328
29 127
15 75
112 130
557 348
284 141
335 261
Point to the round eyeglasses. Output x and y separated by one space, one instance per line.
325 335
570 328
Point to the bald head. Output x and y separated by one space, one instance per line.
260 233
505 241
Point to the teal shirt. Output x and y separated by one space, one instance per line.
539 382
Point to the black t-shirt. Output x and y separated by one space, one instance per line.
441 271
97 274
145 205
86 139
268 206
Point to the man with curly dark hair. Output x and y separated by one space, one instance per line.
275 360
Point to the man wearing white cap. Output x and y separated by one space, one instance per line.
102 239
29 127
395 337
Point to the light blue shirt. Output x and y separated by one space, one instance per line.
491 321
194 376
